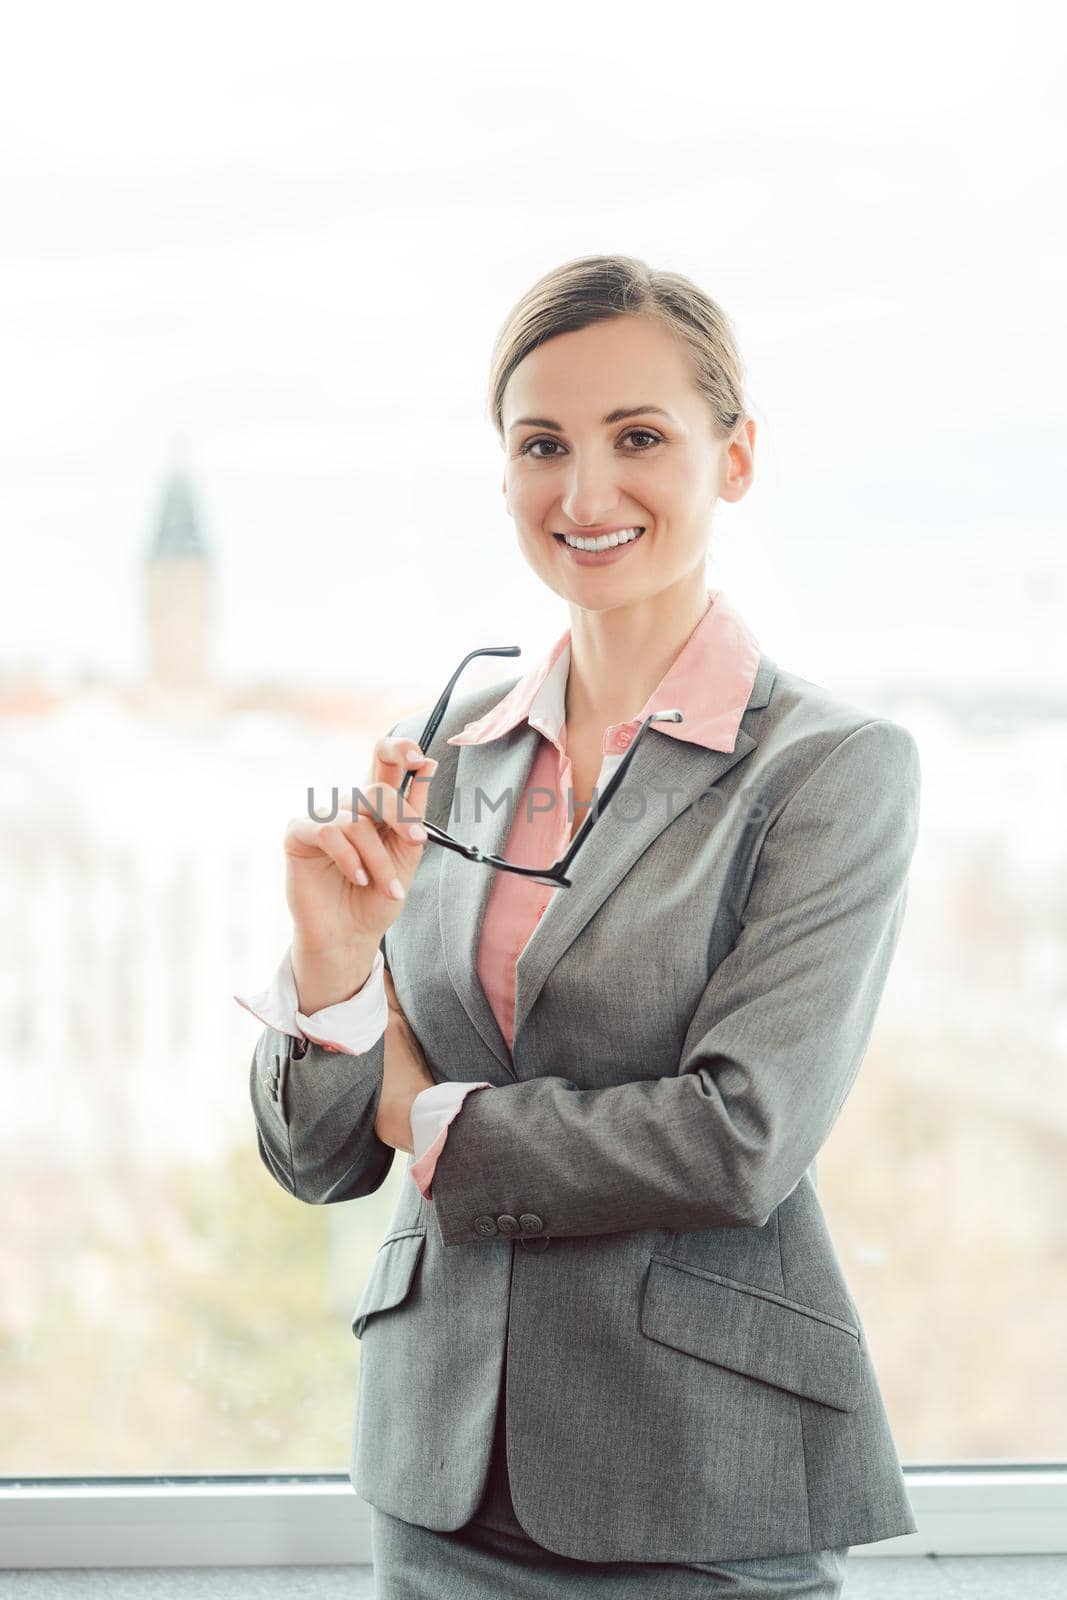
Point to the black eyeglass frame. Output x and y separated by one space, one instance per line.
556 875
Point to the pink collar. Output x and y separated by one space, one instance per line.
709 682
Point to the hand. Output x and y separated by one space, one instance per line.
406 1075
333 913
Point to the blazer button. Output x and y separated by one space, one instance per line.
530 1222
485 1225
507 1224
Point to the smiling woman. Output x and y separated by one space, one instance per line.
644 1373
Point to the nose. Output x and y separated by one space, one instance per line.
591 497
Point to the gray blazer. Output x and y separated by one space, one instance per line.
635 1224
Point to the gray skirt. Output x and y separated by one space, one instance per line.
492 1557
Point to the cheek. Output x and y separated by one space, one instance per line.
530 506
681 497
675 481
526 493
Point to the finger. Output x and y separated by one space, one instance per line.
355 848
303 838
384 806
377 858
334 842
393 757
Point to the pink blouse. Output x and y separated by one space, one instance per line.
710 682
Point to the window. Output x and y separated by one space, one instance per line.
256 512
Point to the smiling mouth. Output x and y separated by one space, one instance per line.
594 547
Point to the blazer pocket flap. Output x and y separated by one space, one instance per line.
753 1331
390 1276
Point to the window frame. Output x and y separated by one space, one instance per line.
996 1508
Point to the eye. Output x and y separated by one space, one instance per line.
648 434
643 450
525 450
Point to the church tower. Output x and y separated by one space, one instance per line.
179 578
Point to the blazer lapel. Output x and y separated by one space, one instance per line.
488 776
672 774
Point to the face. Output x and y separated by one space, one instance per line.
573 467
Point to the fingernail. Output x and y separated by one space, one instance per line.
417 831
396 889
415 758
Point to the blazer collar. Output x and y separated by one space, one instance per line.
497 753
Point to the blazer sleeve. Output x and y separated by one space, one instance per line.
432 1113
315 1102
314 1111
772 1052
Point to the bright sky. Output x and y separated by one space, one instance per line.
281 240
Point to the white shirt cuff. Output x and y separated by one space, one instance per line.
432 1112
433 1109
351 1026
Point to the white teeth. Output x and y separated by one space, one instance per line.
607 541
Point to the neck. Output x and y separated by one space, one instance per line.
618 656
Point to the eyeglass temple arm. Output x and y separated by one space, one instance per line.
612 784
442 705
434 721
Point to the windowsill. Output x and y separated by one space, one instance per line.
190 1528
896 1578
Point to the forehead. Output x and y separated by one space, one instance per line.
622 362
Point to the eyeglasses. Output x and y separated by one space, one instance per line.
556 875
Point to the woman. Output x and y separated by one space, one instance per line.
607 1346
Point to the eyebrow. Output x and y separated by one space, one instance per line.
613 416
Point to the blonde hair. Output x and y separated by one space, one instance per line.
598 288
